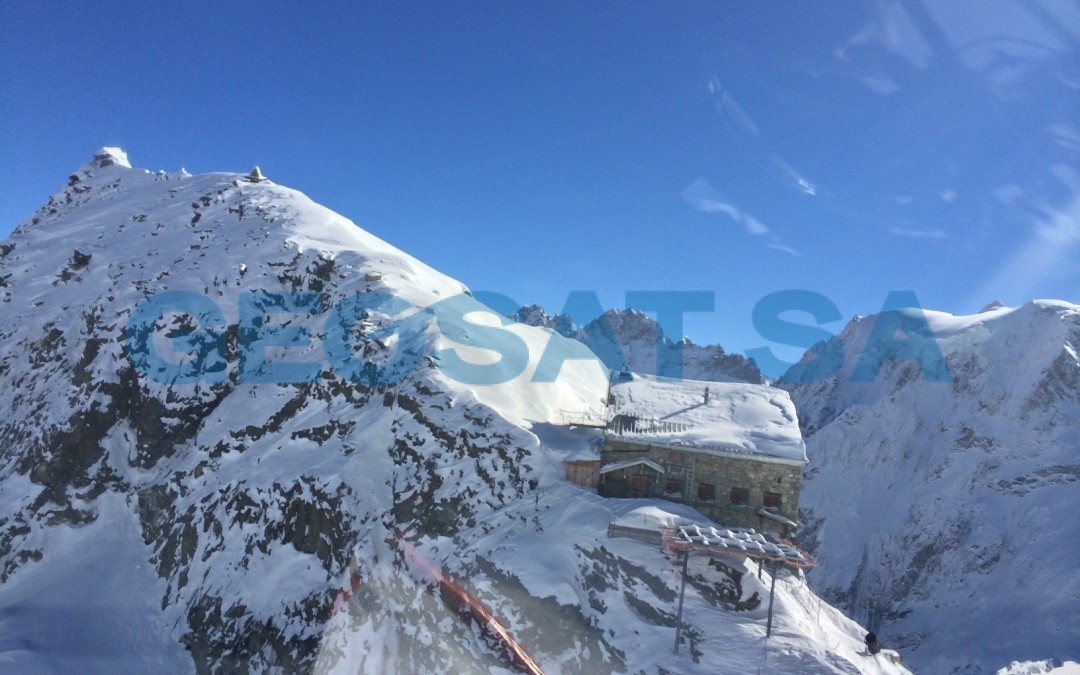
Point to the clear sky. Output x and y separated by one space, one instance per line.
537 148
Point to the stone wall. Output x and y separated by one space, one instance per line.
722 472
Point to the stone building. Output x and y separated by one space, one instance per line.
731 450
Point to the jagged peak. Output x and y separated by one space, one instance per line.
103 158
996 304
534 315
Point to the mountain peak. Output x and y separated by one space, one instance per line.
921 459
108 157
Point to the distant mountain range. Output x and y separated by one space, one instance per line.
630 339
942 510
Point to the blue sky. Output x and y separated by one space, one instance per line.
533 149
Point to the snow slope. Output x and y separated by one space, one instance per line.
943 509
153 523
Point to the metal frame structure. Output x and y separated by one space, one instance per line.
682 541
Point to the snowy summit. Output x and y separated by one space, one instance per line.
110 156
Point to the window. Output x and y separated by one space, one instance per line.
672 486
706 492
675 457
771 500
740 495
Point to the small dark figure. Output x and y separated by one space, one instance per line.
872 645
706 396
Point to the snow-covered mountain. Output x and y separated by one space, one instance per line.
242 434
630 339
942 502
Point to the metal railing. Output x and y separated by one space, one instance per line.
623 425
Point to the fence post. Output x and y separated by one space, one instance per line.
772 592
682 593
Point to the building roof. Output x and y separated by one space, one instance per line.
747 419
777 518
626 464
735 540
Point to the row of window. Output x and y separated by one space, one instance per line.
706 492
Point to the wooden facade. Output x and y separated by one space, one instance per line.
584 472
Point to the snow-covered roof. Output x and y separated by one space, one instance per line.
737 418
776 517
616 466
739 541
